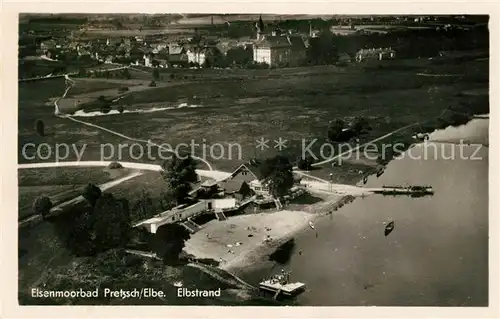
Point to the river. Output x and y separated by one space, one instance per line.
437 254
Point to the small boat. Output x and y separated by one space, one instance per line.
389 228
311 225
380 172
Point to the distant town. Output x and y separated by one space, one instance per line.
223 43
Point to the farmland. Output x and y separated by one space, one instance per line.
294 104
59 184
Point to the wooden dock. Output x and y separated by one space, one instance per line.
287 289
403 190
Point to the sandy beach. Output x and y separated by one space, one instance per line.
241 241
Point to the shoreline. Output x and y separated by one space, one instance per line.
249 257
284 225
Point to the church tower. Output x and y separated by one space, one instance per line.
260 28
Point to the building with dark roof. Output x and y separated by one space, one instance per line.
279 50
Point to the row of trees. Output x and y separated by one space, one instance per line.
340 131
119 74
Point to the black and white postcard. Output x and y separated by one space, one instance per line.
271 158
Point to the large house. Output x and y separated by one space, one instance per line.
243 182
279 50
197 55
375 54
177 54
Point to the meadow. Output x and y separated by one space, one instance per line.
59 183
294 104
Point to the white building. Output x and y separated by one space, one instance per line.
197 56
148 61
184 212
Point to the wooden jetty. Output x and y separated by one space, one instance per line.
404 190
280 285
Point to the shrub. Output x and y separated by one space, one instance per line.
152 84
42 206
40 127
105 108
92 193
115 165
120 108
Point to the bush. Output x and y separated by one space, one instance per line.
105 108
42 206
120 108
40 127
92 193
115 165
152 84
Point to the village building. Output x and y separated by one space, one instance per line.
197 55
280 50
375 54
177 55
109 59
241 192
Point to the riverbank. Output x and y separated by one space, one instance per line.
439 247
241 243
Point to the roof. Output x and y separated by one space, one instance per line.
294 42
375 51
209 183
175 49
297 42
242 167
232 186
274 42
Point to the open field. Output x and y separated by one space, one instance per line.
294 106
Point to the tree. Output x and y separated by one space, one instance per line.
156 74
126 74
110 223
277 173
335 130
87 230
91 193
40 127
74 229
82 72
359 125
143 206
179 173
322 49
305 164
42 206
169 241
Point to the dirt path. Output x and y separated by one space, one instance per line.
58 113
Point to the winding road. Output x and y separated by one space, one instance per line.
59 114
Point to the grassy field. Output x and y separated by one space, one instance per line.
59 184
294 104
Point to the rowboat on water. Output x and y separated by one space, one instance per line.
389 228
311 225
